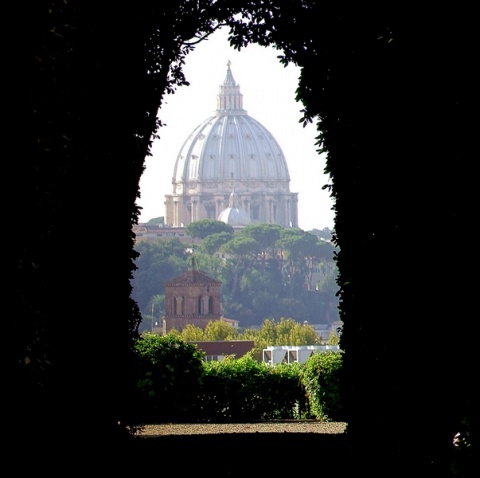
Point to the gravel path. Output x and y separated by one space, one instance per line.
294 426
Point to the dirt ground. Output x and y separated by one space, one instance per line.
247 450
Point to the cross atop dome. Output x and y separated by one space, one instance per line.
231 168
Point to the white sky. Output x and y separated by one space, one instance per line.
268 90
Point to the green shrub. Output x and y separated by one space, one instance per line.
243 390
170 374
176 385
321 379
287 393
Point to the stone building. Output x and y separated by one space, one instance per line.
191 298
231 152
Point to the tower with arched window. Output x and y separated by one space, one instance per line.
191 298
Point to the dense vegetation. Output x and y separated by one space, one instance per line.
270 333
266 272
393 93
176 385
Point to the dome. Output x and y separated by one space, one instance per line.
233 215
231 145
231 150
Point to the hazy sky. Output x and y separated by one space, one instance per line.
268 90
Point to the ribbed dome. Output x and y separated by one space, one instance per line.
231 145
231 151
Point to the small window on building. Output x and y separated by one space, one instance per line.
178 305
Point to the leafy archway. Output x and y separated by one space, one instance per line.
391 92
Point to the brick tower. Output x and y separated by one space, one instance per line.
191 298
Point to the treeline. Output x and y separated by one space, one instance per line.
271 333
266 272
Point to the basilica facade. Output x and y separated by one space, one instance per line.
231 168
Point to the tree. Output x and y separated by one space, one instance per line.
291 332
298 309
284 332
321 375
170 371
220 330
192 333
299 251
278 333
157 310
212 243
156 263
265 236
211 264
206 227
242 252
334 339
260 287
156 220
325 234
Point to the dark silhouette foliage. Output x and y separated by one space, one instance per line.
393 93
